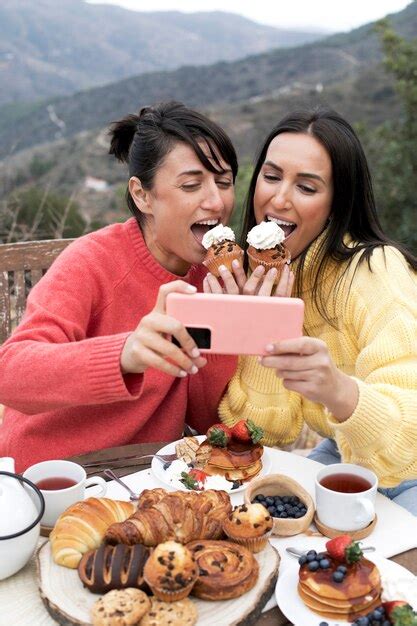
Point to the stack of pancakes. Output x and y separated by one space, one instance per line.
237 462
358 594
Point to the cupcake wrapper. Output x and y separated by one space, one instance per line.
172 596
226 259
255 544
254 262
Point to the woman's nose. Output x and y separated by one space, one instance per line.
282 199
212 200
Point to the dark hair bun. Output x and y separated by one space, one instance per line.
122 133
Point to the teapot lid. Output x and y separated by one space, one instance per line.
19 512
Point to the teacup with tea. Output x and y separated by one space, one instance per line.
345 496
62 483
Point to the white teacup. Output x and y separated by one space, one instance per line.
345 496
59 499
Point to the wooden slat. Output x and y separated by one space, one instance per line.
28 255
35 276
20 295
5 326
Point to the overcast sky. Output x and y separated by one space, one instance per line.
323 14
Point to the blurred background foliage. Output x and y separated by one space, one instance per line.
42 198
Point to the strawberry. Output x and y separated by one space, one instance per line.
219 435
342 548
400 613
246 430
194 479
198 475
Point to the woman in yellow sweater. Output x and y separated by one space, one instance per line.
353 376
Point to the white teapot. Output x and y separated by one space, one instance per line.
21 508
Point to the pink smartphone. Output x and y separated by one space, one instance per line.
226 324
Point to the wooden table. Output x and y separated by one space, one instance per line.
274 617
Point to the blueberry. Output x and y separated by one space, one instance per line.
323 624
272 510
236 484
313 566
362 621
341 568
324 563
260 497
166 465
299 514
338 576
285 499
277 500
295 500
284 514
386 622
269 501
303 559
311 555
280 508
322 555
376 615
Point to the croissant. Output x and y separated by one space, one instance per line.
113 567
177 516
82 526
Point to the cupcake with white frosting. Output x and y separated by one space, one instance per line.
266 247
221 249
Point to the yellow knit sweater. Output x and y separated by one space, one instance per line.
376 343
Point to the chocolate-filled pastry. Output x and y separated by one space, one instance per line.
113 567
226 570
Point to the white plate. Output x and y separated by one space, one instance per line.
294 608
159 472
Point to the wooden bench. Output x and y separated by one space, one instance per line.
22 265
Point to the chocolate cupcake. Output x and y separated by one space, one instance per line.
221 249
171 571
266 248
249 525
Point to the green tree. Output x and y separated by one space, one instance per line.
393 146
241 189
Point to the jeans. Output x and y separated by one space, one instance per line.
404 494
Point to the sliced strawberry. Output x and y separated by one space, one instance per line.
342 548
198 475
246 430
219 435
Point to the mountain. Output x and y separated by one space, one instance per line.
57 47
339 59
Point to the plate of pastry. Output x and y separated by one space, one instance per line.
335 591
224 458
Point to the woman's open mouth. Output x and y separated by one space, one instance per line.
287 227
199 229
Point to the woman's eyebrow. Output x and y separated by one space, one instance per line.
200 172
301 174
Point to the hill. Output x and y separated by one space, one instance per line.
50 48
339 59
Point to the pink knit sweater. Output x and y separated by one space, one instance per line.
60 371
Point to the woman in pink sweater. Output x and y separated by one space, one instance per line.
91 366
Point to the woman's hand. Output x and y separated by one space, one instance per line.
258 283
148 345
306 367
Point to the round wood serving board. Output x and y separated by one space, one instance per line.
69 603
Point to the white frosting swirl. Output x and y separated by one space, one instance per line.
265 236
217 234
